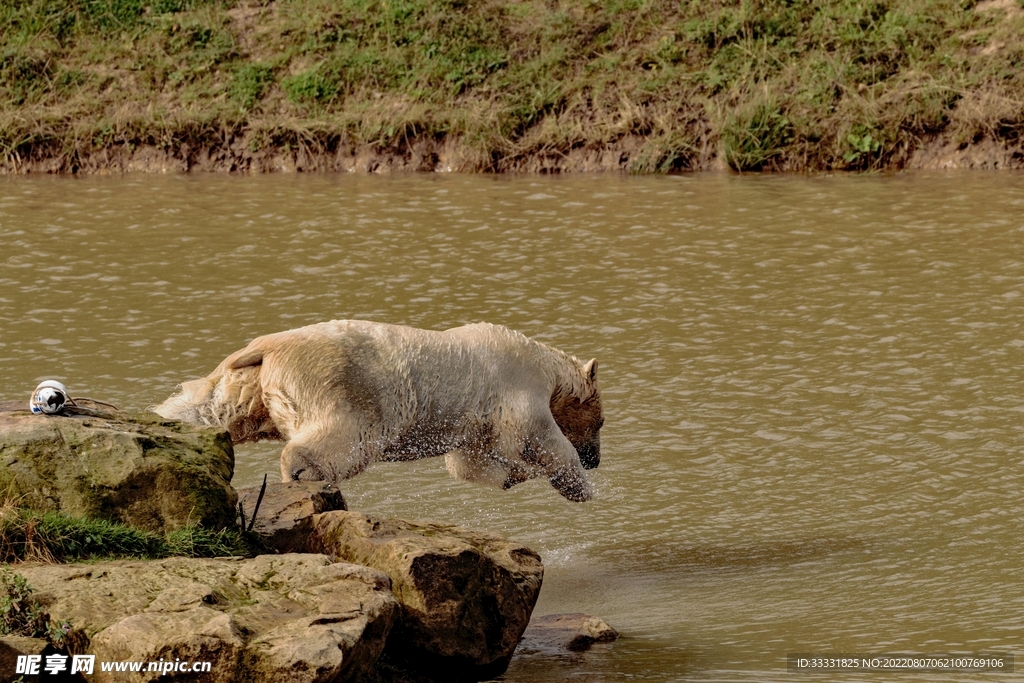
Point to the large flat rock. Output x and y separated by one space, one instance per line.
466 596
140 470
297 618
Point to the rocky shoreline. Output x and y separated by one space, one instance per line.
338 596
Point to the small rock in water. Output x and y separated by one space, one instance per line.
575 632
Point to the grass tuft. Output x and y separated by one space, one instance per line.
249 84
55 537
756 135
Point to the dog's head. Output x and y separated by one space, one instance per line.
577 410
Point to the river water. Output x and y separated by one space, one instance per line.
814 386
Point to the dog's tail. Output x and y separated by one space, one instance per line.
230 391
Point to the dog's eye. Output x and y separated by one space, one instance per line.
600 423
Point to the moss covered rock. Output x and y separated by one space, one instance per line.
139 470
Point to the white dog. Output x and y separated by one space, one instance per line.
502 408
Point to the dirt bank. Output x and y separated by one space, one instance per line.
234 155
447 157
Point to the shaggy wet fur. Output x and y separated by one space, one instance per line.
500 407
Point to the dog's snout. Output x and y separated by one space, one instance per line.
590 456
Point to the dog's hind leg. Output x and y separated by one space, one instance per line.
481 469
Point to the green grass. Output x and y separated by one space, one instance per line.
55 537
764 84
22 615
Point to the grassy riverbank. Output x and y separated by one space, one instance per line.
495 85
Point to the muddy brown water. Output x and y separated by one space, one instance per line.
814 387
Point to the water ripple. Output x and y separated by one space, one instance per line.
813 385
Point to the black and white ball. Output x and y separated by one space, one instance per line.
49 398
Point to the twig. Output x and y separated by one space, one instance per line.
259 499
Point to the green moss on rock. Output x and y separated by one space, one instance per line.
138 470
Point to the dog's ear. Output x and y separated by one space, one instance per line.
590 369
